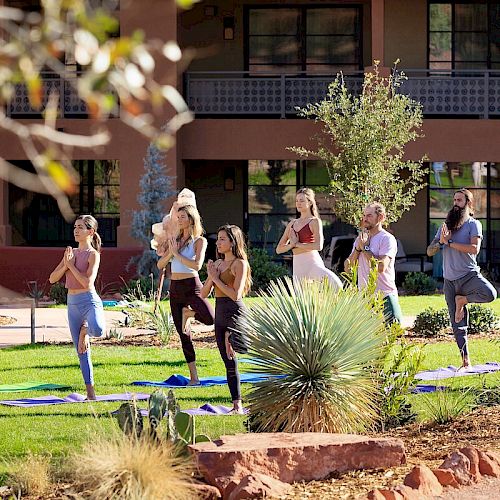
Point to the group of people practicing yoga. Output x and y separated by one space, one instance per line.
179 242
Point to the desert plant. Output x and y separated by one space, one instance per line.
31 476
482 319
317 344
264 270
59 293
36 290
419 284
133 468
115 333
431 322
444 406
163 323
139 290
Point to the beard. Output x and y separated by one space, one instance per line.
456 217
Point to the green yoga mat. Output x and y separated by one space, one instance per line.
30 386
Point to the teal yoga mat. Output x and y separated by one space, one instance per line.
30 386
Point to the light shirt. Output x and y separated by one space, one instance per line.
189 252
457 264
381 245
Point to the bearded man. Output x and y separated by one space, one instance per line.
460 240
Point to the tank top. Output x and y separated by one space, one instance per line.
227 278
305 234
82 264
189 252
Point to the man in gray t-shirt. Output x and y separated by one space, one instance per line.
460 240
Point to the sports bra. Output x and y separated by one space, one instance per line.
305 234
82 264
189 252
227 278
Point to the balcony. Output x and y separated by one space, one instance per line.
466 93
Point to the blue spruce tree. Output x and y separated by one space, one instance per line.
156 187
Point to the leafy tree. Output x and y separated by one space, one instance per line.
155 188
363 143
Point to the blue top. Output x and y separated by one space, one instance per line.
457 264
188 252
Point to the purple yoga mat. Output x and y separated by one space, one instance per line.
206 409
72 398
453 371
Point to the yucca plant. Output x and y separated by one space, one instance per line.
163 323
319 345
446 405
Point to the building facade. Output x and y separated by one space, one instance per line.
250 64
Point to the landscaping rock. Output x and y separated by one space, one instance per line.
257 486
421 478
206 492
293 457
375 495
460 465
391 495
409 493
446 477
488 465
473 456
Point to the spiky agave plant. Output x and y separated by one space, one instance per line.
320 345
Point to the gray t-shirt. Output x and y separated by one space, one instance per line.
457 264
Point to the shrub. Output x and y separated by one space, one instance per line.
59 293
319 343
419 284
142 289
264 270
446 405
31 476
163 323
482 319
431 322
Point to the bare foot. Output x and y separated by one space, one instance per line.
237 408
187 317
460 302
90 392
194 382
465 362
83 341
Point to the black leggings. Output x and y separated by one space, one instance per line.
185 293
226 314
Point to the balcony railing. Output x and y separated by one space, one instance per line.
451 92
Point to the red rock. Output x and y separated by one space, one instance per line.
293 457
391 495
206 492
231 486
409 493
493 455
421 478
375 495
446 477
257 486
471 453
487 465
460 465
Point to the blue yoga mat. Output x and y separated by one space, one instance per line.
453 371
177 381
424 388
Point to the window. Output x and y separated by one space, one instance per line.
36 220
464 35
311 39
483 180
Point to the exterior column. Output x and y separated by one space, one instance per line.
378 12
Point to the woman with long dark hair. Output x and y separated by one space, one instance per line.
304 237
230 276
85 312
187 253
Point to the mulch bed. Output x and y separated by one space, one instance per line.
448 337
7 320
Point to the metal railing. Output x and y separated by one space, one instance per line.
441 92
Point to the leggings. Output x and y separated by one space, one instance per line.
183 293
86 308
478 290
226 314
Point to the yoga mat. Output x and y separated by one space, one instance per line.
31 386
206 409
177 381
71 398
453 371
424 388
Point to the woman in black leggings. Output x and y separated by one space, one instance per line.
230 276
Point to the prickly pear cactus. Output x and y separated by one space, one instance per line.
172 410
158 404
185 426
130 419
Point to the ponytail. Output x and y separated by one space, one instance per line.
91 223
96 242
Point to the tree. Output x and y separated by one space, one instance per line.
155 187
363 143
113 75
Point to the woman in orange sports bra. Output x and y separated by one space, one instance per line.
230 276
304 237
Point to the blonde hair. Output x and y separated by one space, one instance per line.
311 198
239 249
91 223
195 226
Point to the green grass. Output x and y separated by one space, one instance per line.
411 305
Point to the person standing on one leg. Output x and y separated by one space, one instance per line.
375 242
460 240
230 275
85 311
187 252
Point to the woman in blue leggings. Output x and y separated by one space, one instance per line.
85 312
